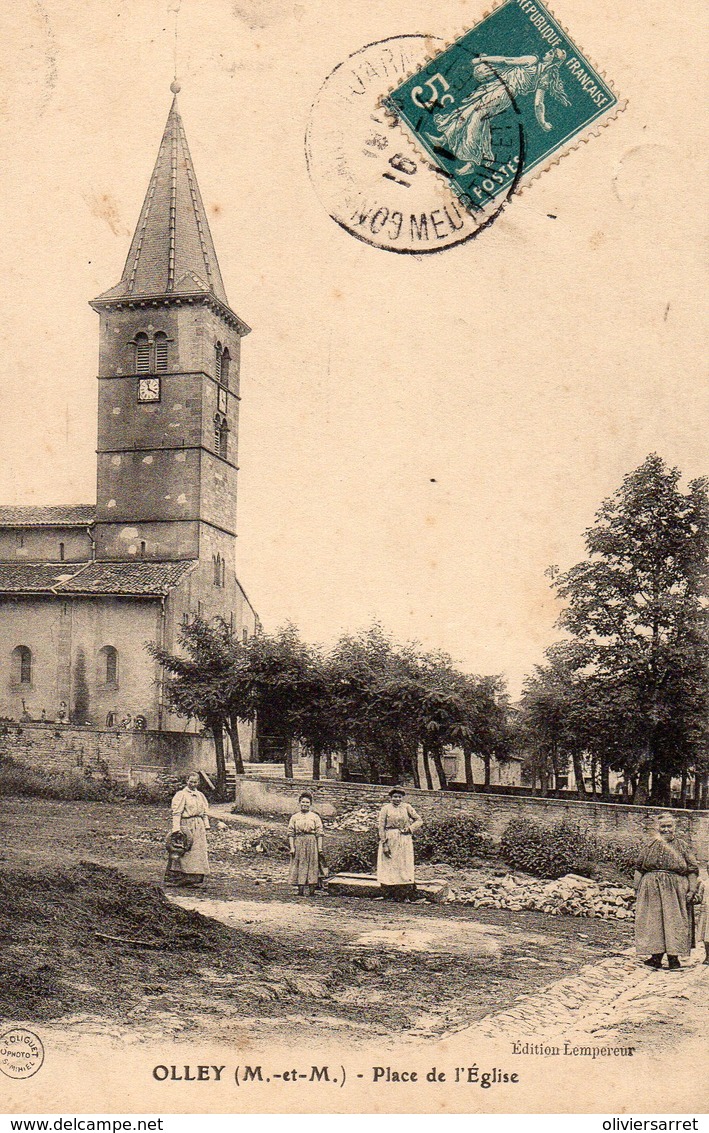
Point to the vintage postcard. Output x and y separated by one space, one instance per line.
354 533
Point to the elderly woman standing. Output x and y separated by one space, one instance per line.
666 878
395 857
189 814
305 838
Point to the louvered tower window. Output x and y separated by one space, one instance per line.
160 353
218 361
224 373
221 430
142 354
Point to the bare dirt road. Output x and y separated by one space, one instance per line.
356 970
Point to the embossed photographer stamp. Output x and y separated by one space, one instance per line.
504 102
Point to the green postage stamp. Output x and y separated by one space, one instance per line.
503 102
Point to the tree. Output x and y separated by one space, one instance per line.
317 720
283 686
206 682
551 720
374 688
395 700
636 610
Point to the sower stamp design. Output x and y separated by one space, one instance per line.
369 175
515 82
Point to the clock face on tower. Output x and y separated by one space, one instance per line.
148 389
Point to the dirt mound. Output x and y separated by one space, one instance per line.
75 938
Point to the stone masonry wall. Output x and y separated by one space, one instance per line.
262 795
75 750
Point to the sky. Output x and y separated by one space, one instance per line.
420 436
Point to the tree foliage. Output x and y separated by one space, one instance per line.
630 685
385 701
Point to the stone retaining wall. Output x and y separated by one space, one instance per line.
59 748
262 795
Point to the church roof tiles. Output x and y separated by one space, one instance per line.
172 250
121 578
58 515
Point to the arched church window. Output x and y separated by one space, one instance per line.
218 361
108 666
217 561
160 352
224 372
142 354
61 552
22 665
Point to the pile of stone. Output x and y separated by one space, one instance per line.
360 821
572 895
236 841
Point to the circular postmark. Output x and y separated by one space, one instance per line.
21 1053
369 174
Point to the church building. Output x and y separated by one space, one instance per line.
83 588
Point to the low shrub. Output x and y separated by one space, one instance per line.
274 843
355 853
457 841
31 782
616 857
547 851
563 847
16 779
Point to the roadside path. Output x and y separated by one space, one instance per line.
615 1001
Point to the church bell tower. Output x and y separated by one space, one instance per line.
168 409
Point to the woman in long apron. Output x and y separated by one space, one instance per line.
666 878
190 815
398 821
305 838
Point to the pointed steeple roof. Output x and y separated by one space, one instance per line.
172 252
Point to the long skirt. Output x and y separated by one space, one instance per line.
396 867
196 859
304 869
661 915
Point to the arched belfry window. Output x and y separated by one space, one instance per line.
221 430
22 665
160 352
226 359
108 666
142 354
218 361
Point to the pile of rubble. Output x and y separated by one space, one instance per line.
360 821
572 894
236 841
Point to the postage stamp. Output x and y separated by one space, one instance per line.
503 102
371 176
